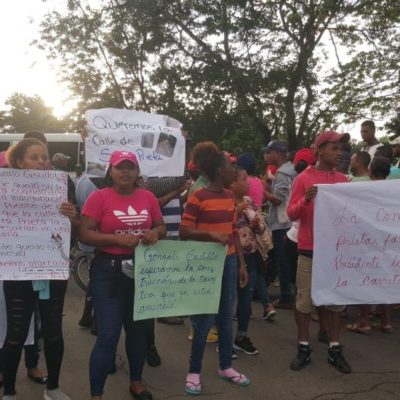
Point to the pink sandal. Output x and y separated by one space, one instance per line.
232 376
193 385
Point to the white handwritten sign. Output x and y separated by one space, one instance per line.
3 321
34 237
356 244
160 148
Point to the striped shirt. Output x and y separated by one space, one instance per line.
212 212
172 217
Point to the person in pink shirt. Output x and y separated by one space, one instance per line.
115 219
247 161
328 148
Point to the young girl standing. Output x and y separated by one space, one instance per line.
210 216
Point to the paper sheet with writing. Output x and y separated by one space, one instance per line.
3 321
178 278
160 148
34 236
356 243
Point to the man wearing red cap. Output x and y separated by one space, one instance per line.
328 148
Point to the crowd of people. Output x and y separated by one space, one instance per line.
264 220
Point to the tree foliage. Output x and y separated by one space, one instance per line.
25 113
234 71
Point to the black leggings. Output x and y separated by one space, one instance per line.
20 300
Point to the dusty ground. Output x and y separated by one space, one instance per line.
374 358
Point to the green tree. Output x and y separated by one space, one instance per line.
393 126
25 113
235 71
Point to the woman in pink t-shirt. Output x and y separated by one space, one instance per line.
114 220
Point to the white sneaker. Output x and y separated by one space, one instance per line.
55 394
10 397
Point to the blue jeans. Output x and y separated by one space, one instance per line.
113 312
245 295
203 322
282 264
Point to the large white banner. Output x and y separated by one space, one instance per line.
34 236
357 243
156 139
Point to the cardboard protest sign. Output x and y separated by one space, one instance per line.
157 142
178 278
356 244
34 236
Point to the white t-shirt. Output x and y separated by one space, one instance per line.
293 232
371 149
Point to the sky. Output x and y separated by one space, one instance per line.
25 69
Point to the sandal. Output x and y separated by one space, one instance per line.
357 328
191 387
143 395
387 328
314 318
42 380
236 378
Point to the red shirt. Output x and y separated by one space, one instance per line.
300 209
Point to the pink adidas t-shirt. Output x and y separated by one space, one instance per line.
119 214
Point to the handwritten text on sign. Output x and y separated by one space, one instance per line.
34 237
178 278
356 243
160 149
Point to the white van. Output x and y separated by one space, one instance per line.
70 144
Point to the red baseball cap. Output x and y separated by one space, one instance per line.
307 154
330 136
118 156
192 166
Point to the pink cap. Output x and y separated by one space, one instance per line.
3 159
330 136
118 156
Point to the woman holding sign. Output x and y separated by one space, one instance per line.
115 219
20 295
210 216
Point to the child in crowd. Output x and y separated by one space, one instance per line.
251 227
210 216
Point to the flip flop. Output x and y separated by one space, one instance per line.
238 379
193 388
357 328
388 328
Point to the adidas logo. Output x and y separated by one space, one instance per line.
132 217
